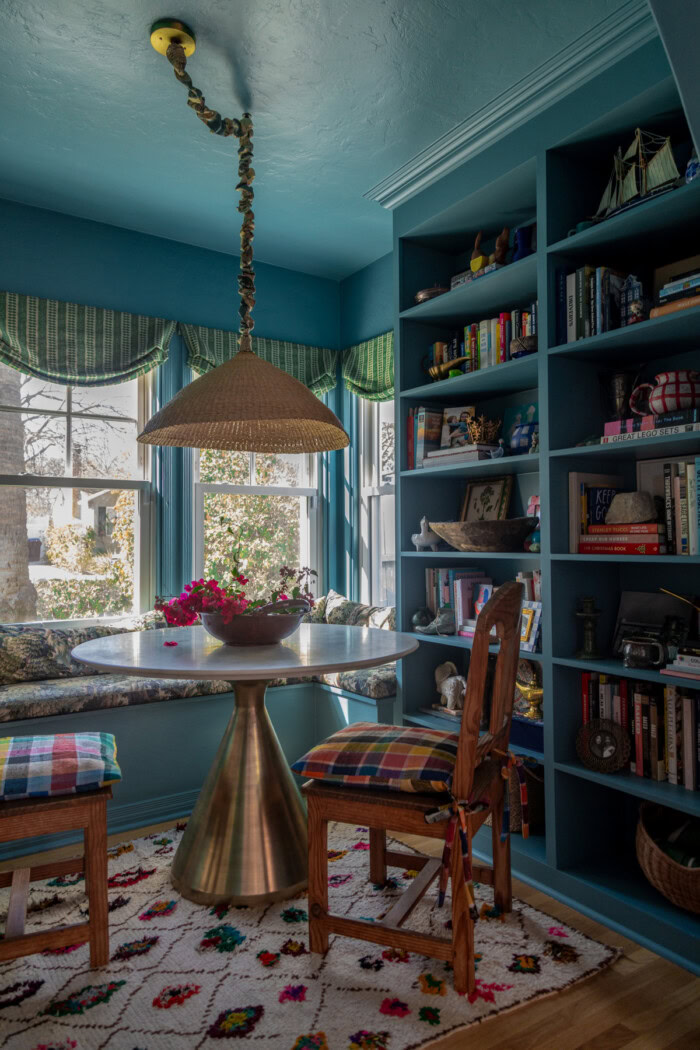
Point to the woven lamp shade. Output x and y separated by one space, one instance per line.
247 405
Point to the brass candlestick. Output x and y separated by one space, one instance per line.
588 614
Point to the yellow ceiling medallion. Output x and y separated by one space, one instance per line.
167 31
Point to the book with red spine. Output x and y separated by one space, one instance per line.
631 538
646 528
503 318
585 706
612 547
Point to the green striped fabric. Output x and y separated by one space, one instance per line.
314 366
79 345
368 368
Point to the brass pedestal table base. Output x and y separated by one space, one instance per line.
245 842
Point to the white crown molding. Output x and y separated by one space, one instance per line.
613 38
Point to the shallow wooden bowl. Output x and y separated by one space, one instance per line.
267 626
508 535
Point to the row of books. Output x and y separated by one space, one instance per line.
464 591
663 723
642 427
485 343
682 505
436 437
595 299
686 663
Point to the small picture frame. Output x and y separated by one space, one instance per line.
603 745
487 499
530 617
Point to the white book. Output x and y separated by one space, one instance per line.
493 341
484 359
689 743
571 308
692 493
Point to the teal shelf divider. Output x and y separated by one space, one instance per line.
586 858
616 667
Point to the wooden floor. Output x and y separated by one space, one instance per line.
642 1002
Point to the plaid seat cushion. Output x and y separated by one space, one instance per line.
369 755
38 766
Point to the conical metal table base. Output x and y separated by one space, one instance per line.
245 842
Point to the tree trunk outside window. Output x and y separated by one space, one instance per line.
17 593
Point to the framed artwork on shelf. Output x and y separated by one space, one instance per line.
530 617
487 499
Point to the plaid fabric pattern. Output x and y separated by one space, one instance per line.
79 345
368 368
314 366
39 766
369 755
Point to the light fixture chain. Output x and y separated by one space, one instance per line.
243 129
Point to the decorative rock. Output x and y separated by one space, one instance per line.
631 508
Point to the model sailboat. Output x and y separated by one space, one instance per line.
646 168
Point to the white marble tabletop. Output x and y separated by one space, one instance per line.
313 649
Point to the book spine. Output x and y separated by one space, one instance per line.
675 306
593 704
678 286
689 743
591 303
683 499
603 696
561 309
638 746
644 434
670 718
677 511
653 742
692 502
571 307
616 715
668 506
585 705
580 302
599 300
651 528
646 744
493 341
585 547
624 705
623 537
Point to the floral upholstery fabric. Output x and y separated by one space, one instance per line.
374 682
341 610
318 613
61 696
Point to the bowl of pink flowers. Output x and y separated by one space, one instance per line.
228 615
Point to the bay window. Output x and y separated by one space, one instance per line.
377 555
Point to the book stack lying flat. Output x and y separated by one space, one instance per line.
444 457
678 293
647 538
686 664
662 722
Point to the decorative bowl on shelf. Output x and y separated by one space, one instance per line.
266 626
500 536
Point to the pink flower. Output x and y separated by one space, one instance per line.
169 643
556 931
361 845
394 1008
293 993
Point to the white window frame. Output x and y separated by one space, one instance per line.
144 562
310 492
371 490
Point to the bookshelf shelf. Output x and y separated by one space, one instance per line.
657 215
641 448
495 291
456 641
616 667
512 375
528 464
650 790
586 855
660 336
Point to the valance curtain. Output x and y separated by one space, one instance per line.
313 366
79 345
368 368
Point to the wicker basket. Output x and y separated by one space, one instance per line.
679 884
535 800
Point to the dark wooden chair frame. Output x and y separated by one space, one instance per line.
25 818
477 775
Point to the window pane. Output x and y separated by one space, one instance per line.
386 441
232 468
38 394
281 469
66 553
120 399
42 439
104 449
274 531
387 553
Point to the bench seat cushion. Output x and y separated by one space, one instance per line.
42 766
60 696
376 683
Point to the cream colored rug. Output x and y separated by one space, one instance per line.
183 976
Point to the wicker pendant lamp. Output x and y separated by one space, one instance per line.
246 404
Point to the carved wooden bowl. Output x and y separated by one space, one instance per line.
508 535
269 625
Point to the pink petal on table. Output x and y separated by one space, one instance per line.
169 643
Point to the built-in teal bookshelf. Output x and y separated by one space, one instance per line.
552 171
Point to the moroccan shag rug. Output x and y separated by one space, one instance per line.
184 977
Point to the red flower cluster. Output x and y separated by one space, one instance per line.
205 596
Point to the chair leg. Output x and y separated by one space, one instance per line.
462 928
17 908
377 855
502 884
318 877
96 883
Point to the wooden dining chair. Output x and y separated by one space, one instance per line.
480 781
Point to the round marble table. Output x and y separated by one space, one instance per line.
245 842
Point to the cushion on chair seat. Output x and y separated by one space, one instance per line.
60 696
39 766
401 758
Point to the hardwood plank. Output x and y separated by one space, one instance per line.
408 900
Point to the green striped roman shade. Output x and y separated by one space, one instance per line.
79 345
313 366
368 368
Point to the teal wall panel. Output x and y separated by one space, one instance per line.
366 306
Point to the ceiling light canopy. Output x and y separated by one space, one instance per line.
246 404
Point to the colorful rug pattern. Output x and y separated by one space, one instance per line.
185 977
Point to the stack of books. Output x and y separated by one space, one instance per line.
678 293
457 589
686 663
642 427
440 437
663 723
596 299
632 538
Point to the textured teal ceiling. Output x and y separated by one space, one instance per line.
93 123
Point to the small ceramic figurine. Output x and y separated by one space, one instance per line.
502 247
426 537
451 686
478 259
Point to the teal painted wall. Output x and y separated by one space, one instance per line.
365 302
60 257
